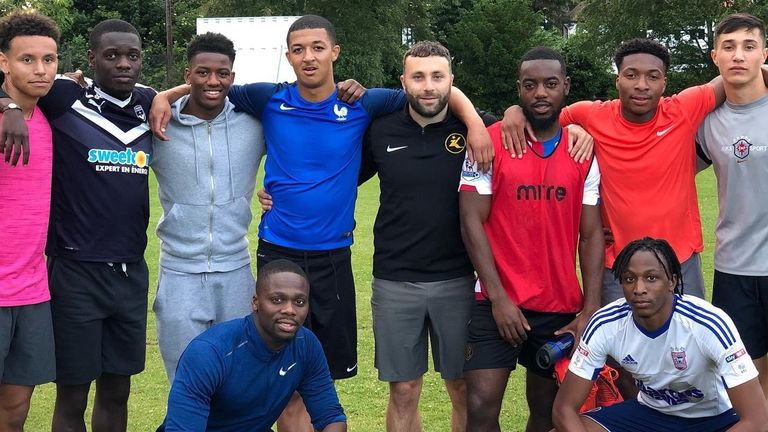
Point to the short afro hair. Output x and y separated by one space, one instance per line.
642 46
109 26
274 267
26 24
544 53
312 22
211 43
740 21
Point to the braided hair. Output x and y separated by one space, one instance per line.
663 253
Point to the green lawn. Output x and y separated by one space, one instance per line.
364 398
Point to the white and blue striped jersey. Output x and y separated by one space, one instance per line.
681 369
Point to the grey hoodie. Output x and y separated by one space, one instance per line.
206 175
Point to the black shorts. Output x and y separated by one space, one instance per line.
99 315
486 349
745 300
331 301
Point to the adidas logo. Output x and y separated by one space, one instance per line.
628 360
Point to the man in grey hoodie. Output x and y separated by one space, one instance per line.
206 176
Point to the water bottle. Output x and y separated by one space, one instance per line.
553 351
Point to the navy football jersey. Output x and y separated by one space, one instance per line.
101 154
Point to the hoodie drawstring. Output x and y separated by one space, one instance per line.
194 144
229 157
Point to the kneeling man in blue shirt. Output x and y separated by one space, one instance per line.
240 374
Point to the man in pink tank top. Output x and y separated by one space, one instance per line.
28 60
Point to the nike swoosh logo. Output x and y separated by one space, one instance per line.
285 107
662 132
390 150
350 369
283 372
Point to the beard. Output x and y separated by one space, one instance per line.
413 102
539 123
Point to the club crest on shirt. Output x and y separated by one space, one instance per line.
678 359
455 143
139 112
741 148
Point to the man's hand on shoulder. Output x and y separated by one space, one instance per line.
580 143
14 135
159 116
513 128
350 91
479 146
78 77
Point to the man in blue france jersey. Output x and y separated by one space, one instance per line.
97 235
313 157
687 359
239 375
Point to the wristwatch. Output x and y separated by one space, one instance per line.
10 106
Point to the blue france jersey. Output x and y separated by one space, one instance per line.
313 160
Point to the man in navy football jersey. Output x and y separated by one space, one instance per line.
97 234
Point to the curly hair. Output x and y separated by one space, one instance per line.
211 43
642 46
26 24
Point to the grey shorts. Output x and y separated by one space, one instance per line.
26 345
187 304
693 281
404 313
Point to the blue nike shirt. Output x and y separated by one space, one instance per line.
313 160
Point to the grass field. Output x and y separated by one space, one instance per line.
364 398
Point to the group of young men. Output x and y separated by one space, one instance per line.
453 201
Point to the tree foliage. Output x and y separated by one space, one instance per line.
686 27
486 37
369 32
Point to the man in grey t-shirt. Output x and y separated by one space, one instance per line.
733 139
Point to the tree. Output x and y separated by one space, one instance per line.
686 27
487 42
370 32
590 76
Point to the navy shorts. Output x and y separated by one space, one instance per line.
486 349
99 315
745 300
632 416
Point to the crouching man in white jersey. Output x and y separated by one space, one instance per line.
685 355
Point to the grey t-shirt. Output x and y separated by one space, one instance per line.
733 138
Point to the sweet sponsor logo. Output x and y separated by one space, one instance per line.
126 161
